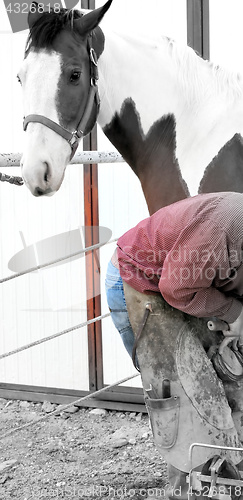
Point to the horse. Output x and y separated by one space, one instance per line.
175 118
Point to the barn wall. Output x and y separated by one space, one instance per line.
226 36
45 302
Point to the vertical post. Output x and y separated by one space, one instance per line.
198 26
91 216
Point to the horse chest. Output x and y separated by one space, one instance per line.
167 171
151 156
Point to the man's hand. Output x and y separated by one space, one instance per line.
235 333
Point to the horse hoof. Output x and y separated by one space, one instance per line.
228 365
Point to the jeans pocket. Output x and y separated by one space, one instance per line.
115 298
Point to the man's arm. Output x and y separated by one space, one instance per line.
189 272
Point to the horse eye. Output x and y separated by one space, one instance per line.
19 79
75 76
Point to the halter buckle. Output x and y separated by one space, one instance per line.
93 81
76 135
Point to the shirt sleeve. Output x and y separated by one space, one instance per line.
199 257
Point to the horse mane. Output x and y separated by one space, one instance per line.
48 26
192 68
199 78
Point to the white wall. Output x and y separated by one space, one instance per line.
226 34
46 302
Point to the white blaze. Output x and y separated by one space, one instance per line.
45 151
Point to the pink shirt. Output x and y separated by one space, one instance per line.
191 252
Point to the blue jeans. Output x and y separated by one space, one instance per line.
117 305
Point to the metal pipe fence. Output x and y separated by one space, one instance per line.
81 157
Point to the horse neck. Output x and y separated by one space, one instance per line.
168 114
130 117
134 67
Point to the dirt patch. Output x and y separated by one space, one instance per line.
77 455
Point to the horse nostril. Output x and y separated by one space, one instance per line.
47 172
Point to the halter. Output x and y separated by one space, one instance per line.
73 138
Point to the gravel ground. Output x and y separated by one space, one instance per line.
83 453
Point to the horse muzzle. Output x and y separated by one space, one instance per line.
41 177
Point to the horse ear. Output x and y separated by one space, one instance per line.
90 21
33 14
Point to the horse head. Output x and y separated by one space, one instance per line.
59 78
